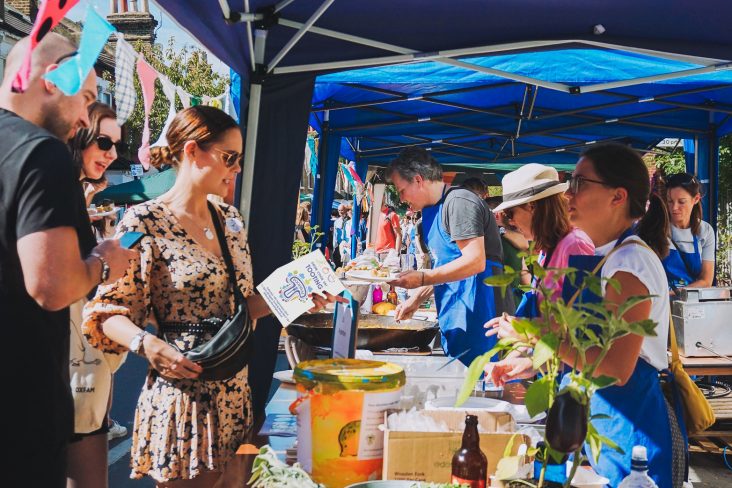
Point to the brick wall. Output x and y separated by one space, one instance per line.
25 7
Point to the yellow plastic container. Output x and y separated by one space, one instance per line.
340 404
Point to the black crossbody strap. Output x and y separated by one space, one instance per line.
216 217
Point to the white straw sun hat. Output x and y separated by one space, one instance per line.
529 183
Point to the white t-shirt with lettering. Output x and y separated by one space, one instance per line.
643 263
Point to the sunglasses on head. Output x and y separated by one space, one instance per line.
106 143
681 179
230 158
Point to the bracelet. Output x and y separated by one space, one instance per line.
422 273
104 275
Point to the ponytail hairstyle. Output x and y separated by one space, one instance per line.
550 221
199 123
86 136
692 186
621 167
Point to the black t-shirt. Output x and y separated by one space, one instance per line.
39 190
465 216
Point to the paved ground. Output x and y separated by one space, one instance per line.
708 471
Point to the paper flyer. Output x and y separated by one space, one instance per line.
287 289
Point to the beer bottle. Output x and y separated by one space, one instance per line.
469 464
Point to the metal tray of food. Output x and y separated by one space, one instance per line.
375 332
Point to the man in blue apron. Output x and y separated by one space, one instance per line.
463 240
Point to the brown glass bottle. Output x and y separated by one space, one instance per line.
391 297
469 464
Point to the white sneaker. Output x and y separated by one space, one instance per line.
116 430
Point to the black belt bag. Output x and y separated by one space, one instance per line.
230 349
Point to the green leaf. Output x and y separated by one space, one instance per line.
473 374
545 349
615 284
629 303
555 455
603 381
509 446
611 444
537 396
498 280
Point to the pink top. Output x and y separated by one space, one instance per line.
575 242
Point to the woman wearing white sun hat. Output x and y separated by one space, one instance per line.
534 202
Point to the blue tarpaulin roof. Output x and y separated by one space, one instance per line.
472 118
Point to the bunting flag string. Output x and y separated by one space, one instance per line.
147 75
49 15
125 96
70 75
169 90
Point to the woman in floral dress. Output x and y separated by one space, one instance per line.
185 429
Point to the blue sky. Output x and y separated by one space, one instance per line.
166 29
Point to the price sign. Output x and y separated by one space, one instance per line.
345 327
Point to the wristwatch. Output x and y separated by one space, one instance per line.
136 342
105 267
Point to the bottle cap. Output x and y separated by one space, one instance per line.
640 453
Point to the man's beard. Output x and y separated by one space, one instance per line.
54 122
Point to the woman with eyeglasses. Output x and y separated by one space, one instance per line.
608 196
690 262
186 430
534 203
93 148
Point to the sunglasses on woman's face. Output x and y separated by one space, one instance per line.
230 158
576 181
106 143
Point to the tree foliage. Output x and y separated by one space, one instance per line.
186 67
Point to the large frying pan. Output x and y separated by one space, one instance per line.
375 332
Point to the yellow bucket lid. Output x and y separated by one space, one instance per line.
350 374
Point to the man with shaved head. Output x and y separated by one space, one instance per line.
48 260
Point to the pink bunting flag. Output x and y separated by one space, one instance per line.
49 15
147 75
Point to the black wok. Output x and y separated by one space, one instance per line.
375 332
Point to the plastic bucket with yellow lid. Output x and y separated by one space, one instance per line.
340 404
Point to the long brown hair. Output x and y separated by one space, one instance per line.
86 136
199 123
550 222
621 167
692 186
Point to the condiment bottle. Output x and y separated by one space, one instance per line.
469 464
378 295
391 297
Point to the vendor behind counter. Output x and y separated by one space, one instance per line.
690 262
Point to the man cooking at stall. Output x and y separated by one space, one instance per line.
463 239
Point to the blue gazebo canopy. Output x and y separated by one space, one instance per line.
486 84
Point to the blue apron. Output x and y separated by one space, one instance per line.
681 267
637 412
464 306
529 305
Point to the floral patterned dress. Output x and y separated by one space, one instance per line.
182 427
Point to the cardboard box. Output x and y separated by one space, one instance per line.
427 456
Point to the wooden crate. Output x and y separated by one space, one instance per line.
711 442
722 408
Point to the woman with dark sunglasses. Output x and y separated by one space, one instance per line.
193 258
93 148
534 203
690 261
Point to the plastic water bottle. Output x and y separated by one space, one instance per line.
638 477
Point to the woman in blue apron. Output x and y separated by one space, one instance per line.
690 262
462 237
534 203
607 194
